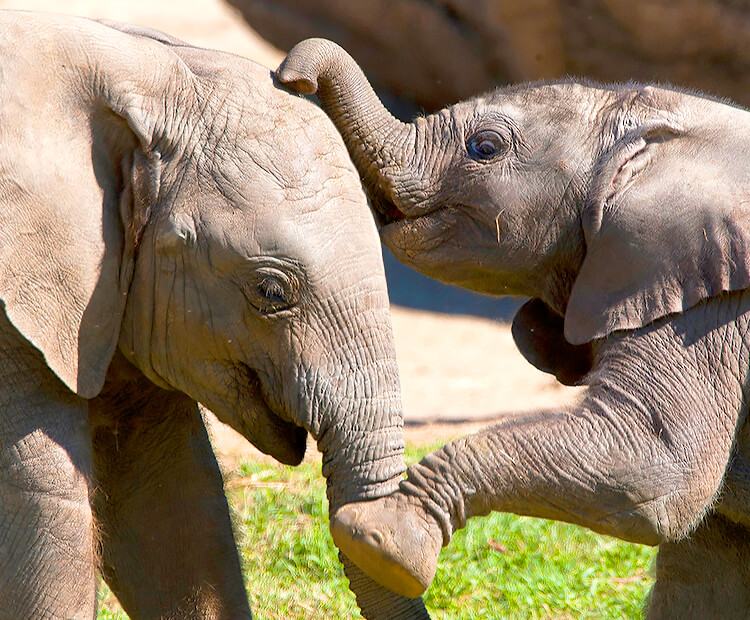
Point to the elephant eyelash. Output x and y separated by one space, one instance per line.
488 144
271 285
623 125
272 291
499 128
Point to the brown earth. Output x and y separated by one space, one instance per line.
458 373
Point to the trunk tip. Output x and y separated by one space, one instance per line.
391 543
296 81
305 63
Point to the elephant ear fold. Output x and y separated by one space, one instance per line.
76 181
667 224
538 333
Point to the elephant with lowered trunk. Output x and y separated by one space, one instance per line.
174 229
622 211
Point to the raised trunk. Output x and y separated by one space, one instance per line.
380 145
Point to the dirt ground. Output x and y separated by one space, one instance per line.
458 373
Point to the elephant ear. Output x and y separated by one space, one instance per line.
77 179
538 333
667 224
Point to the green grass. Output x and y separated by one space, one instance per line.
500 566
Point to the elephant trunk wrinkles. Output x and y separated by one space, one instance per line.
381 146
362 465
362 444
376 601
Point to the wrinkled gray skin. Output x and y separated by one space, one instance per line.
174 229
623 213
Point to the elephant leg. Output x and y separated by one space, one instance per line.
167 548
706 575
636 459
46 533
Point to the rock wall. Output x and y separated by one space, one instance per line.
434 52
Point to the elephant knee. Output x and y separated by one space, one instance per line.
665 511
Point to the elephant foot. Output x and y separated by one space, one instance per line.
393 540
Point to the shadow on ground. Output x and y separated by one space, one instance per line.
411 289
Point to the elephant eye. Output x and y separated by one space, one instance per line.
486 144
271 290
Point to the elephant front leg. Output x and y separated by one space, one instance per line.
46 540
167 548
706 575
638 459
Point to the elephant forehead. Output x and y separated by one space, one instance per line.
335 231
550 105
340 233
293 155
286 185
251 125
260 193
255 179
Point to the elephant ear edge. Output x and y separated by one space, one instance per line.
538 333
666 226
76 181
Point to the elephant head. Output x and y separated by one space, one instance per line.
610 207
174 204
538 190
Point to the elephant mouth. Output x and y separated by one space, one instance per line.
386 212
390 208
420 232
268 431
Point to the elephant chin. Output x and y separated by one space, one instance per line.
292 450
255 420
283 440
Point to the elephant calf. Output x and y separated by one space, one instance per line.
623 213
174 229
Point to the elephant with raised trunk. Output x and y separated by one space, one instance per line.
622 211
174 229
